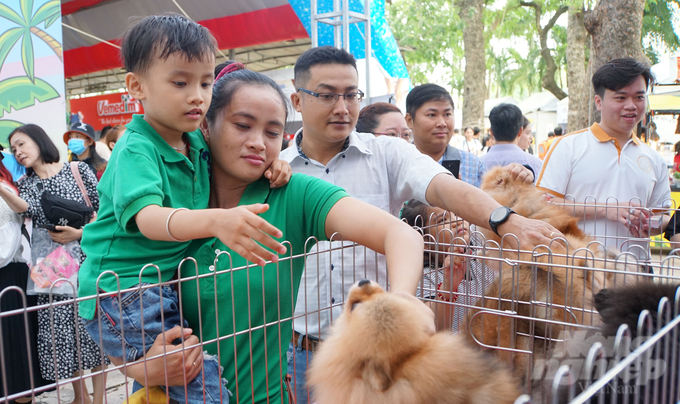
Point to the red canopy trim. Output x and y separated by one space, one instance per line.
76 5
236 31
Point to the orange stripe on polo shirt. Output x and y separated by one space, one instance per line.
552 148
551 192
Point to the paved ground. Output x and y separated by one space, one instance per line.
116 385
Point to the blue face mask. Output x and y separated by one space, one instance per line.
77 146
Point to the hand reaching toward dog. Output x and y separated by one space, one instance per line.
529 232
520 173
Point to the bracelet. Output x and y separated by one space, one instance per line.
167 224
444 298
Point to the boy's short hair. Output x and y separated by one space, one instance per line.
322 55
506 121
159 36
558 131
425 93
619 73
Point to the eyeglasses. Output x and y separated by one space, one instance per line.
405 135
332 98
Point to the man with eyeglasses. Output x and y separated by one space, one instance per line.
382 171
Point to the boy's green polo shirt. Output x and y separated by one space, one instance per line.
299 210
143 170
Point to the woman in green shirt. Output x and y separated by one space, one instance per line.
248 308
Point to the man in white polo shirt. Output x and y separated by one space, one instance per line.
612 178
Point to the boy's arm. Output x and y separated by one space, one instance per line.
381 232
238 228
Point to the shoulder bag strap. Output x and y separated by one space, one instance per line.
79 181
451 153
24 231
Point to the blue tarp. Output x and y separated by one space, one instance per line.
383 44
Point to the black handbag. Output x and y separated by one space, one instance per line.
65 212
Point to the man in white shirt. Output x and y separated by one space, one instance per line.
609 178
382 171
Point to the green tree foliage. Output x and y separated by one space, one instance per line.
430 35
658 27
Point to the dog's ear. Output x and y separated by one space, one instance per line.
376 375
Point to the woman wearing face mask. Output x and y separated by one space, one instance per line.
80 141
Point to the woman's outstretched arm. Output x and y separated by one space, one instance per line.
378 230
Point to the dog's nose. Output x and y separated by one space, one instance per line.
364 282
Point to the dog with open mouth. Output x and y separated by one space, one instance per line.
383 349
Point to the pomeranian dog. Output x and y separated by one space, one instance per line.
383 349
560 284
617 306
528 201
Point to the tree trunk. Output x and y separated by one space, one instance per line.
616 30
548 79
475 64
577 79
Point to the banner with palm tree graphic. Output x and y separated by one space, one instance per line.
32 68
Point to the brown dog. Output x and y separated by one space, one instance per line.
383 350
528 201
558 288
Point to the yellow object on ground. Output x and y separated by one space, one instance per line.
156 396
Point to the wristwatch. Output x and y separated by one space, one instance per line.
498 217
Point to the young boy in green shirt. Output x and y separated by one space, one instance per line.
154 200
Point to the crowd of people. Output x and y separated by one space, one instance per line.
201 174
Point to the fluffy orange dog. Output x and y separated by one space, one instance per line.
382 350
528 201
561 286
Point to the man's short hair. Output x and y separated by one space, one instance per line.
506 122
159 36
425 93
619 73
551 134
322 55
558 131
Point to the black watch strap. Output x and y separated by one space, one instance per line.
498 217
